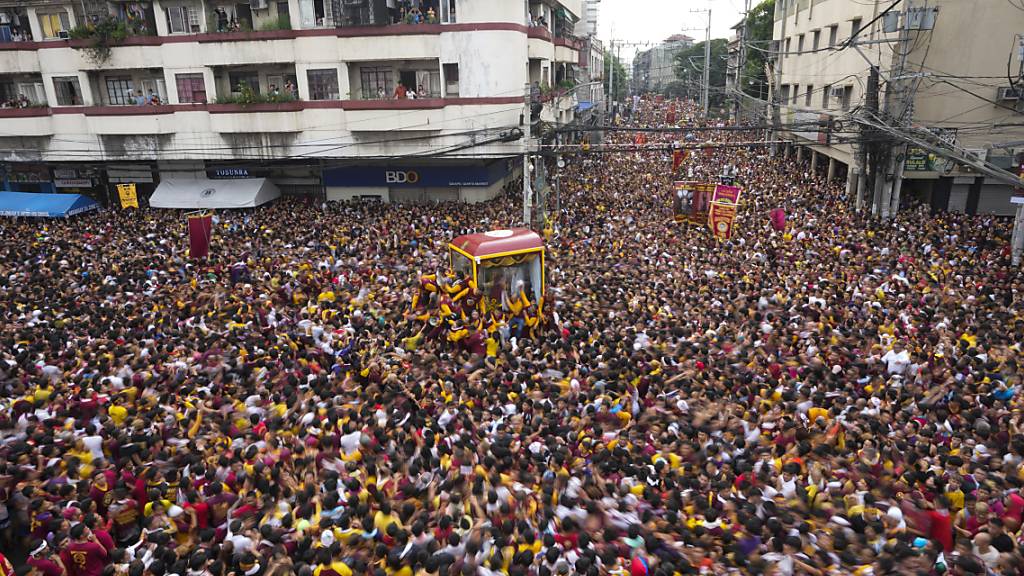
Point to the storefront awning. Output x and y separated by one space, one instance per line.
194 193
33 205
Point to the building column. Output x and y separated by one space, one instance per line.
160 17
852 181
786 150
814 161
85 83
799 154
210 83
302 80
33 23
831 169
172 86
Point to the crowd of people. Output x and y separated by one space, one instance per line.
835 398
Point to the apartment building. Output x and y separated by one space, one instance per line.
388 99
654 69
955 68
590 95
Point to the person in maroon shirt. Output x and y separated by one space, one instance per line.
88 556
45 559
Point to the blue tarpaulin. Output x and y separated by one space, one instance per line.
31 204
584 105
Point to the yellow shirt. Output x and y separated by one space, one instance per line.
118 414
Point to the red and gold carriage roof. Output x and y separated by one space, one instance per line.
500 248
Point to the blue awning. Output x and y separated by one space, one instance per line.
30 204
584 105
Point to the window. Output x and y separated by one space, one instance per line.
784 93
428 83
54 23
800 44
323 84
451 80
817 40
824 97
789 44
807 99
120 91
182 20
854 27
833 31
69 93
191 88
847 97
376 82
448 11
796 93
239 79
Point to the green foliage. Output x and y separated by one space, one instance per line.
566 84
282 22
678 89
619 90
106 33
247 96
760 24
689 64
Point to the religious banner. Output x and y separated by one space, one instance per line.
670 117
126 192
200 228
691 202
721 219
778 218
677 159
726 194
640 139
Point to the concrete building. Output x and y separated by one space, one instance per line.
654 69
956 75
309 92
590 95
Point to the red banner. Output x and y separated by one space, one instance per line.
726 194
200 228
721 219
677 159
640 139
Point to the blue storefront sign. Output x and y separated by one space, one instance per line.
417 176
234 173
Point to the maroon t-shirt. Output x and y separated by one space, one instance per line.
87 559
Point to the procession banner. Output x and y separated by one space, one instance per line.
129 199
640 139
778 218
721 219
691 201
726 194
677 159
200 228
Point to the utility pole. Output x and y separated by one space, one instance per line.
741 61
527 193
1017 243
866 146
776 114
707 61
895 111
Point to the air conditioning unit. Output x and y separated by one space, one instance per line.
1008 93
258 4
64 35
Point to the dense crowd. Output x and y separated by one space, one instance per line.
838 397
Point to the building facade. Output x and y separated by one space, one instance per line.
310 90
590 95
959 94
654 69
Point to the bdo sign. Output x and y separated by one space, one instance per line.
401 177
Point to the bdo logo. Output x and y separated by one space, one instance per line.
397 177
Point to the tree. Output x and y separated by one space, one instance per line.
689 66
760 24
620 75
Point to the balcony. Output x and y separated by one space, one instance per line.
28 121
